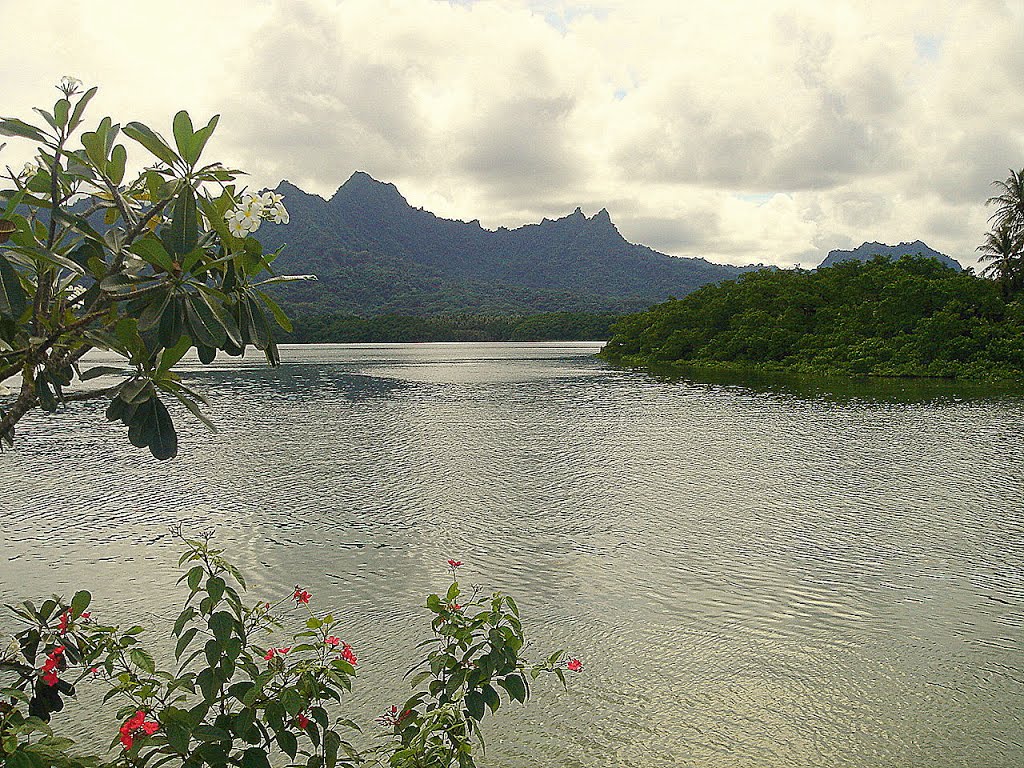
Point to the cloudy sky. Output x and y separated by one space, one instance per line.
742 131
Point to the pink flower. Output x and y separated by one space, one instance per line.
348 655
301 596
332 641
454 564
574 665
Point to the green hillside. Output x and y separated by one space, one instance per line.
911 317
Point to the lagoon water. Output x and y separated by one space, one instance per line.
753 576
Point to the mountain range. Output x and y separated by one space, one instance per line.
374 254
868 251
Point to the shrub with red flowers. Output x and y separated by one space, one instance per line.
233 699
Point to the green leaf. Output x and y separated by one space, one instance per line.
80 602
152 141
279 315
288 743
332 743
60 112
152 251
199 139
118 160
100 370
475 705
170 356
193 407
203 325
184 640
222 624
182 127
142 660
13 127
211 733
491 697
215 588
292 702
516 687
83 102
184 232
162 439
12 295
254 757
44 393
172 324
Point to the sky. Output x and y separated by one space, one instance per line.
742 131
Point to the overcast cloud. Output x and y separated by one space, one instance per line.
743 131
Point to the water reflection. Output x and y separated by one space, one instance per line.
845 389
754 578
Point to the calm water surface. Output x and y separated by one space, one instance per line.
752 577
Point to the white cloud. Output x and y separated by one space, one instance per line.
738 130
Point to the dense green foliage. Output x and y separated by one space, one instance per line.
912 317
552 326
145 267
238 693
375 254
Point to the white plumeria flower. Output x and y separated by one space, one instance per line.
30 169
237 227
270 199
250 214
254 224
279 214
70 84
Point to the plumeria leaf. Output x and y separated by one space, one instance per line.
279 315
152 141
151 250
115 168
182 127
10 126
83 102
12 295
184 235
199 139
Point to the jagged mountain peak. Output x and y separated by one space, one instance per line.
361 186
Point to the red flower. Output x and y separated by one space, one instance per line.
301 596
283 651
454 563
575 665
301 720
454 607
95 670
86 615
65 619
269 655
348 655
332 641
133 725
54 660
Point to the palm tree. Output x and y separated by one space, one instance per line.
1010 201
1004 247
